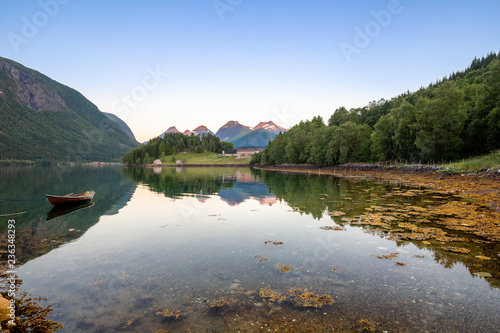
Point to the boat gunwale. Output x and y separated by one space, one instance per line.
69 198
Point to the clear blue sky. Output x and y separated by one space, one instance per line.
245 60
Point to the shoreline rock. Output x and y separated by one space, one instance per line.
408 168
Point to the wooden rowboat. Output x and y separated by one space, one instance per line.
70 199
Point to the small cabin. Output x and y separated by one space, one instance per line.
157 162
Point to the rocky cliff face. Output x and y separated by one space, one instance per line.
29 91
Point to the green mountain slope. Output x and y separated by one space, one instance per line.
41 119
123 125
258 138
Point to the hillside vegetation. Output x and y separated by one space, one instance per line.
257 138
454 118
241 136
121 123
173 143
41 119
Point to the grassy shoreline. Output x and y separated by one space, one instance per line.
484 162
219 165
205 159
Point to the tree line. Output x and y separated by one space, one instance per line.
456 117
173 143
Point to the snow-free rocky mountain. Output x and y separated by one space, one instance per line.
240 135
270 126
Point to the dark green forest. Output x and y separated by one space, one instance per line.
173 143
455 117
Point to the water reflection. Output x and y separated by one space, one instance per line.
58 211
399 213
202 250
41 227
233 185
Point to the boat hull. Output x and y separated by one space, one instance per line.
70 199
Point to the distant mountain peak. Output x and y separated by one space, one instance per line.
172 129
270 126
202 129
232 130
233 123
230 123
239 134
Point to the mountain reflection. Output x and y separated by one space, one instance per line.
233 185
41 227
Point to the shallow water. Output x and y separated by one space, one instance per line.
239 249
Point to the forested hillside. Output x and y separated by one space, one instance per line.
123 125
173 143
456 117
41 119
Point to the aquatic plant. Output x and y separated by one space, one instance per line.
31 316
389 256
271 242
283 268
271 296
128 323
220 304
261 259
306 299
170 315
483 257
366 325
456 249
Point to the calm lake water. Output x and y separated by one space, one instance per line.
235 249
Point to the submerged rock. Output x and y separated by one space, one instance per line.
234 286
